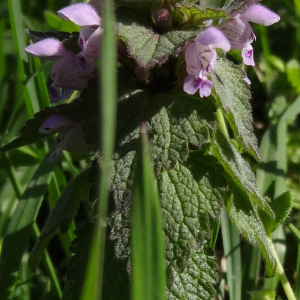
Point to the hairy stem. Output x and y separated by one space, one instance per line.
282 277
222 123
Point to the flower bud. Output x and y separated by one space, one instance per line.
142 73
163 19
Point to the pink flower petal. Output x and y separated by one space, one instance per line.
215 38
193 63
260 15
93 44
81 14
191 84
238 32
247 80
208 57
85 33
65 75
83 64
54 123
49 49
54 93
72 139
205 87
247 54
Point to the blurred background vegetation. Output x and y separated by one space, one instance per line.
275 86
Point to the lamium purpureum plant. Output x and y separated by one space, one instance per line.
168 52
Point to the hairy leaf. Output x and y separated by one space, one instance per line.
189 197
249 225
281 206
61 216
116 279
144 44
174 122
233 95
196 281
238 170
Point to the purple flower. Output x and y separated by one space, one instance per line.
70 136
63 73
86 16
239 32
200 57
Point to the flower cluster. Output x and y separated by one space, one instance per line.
72 71
234 33
70 136
74 68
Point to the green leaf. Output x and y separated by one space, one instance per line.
281 206
20 227
249 225
62 215
144 44
189 196
196 280
195 16
233 95
238 170
174 122
116 279
147 241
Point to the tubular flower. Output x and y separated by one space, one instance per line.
86 16
70 136
63 72
200 57
239 32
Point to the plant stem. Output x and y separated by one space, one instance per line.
222 123
282 277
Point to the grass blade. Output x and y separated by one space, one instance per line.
231 244
18 32
148 254
92 289
20 227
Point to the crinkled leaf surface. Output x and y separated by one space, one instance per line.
144 44
249 225
174 121
116 279
234 96
196 280
189 196
62 215
238 170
